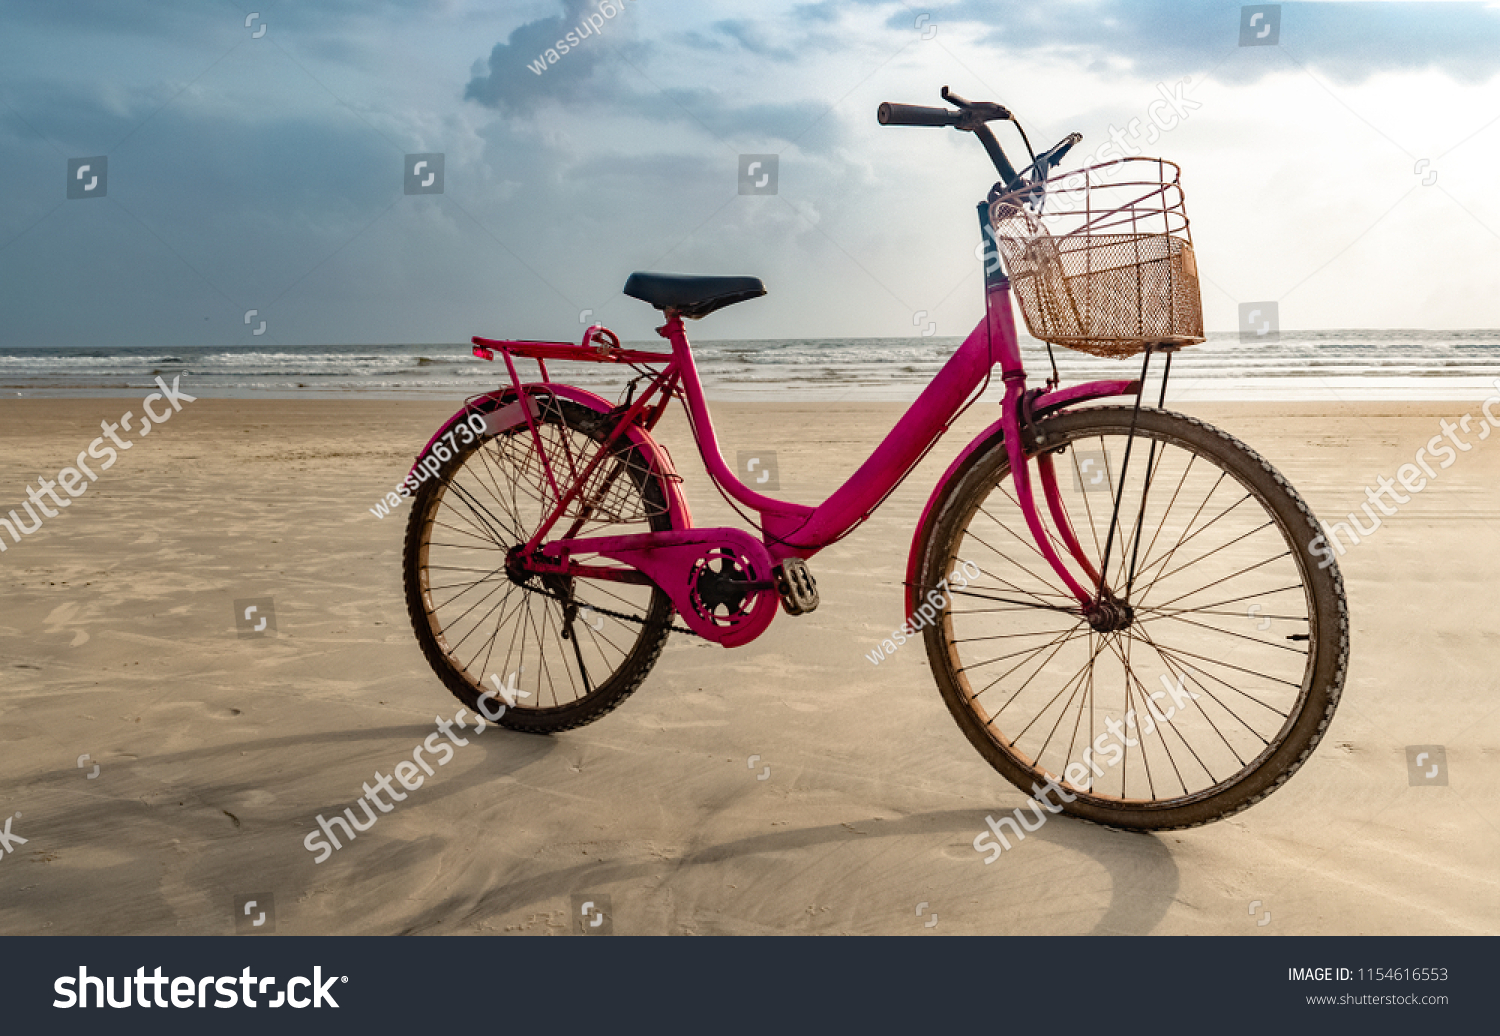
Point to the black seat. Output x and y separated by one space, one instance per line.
691 296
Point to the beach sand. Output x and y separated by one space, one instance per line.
215 753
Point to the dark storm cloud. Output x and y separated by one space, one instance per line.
511 84
600 73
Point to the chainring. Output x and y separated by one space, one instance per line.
723 590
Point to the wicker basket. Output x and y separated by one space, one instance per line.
1106 266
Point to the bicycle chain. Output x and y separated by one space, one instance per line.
614 614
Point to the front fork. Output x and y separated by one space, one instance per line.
1020 470
1098 603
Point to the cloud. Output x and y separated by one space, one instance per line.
1348 41
513 85
610 78
738 34
268 173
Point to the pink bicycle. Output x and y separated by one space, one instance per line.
1151 635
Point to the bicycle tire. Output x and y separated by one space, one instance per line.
984 478
563 421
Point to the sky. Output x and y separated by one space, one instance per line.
1345 172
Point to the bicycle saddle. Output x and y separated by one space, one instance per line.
692 296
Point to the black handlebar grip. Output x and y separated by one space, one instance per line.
914 115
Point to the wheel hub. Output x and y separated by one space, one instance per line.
1109 615
515 566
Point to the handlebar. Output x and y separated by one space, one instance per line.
915 115
971 117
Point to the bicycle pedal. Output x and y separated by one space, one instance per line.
797 587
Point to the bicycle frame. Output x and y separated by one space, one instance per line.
795 530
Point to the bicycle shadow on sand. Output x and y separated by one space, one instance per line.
1056 861
142 847
1142 873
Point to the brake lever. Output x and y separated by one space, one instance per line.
953 98
1059 150
975 113
1042 166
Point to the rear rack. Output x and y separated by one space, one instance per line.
599 345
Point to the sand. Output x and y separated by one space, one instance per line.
216 752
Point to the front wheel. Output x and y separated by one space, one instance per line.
1217 670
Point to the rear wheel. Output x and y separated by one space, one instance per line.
1212 680
564 651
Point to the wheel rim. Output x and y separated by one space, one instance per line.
500 629
1202 685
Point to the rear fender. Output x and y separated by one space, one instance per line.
501 412
993 436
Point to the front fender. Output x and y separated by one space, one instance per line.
501 412
994 435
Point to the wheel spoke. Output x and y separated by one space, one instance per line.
1200 524
483 619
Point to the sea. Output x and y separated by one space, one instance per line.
1344 365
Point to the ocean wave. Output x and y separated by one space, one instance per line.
1333 362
